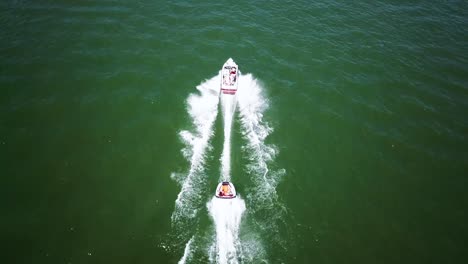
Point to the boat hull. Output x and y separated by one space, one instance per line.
225 190
229 77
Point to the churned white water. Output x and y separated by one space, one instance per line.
202 108
187 252
261 197
252 104
226 214
228 246
228 104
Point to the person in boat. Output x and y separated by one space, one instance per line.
225 79
233 75
224 190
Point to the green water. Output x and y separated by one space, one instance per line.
367 102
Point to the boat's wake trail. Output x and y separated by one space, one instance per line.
265 214
226 214
262 198
228 103
203 109
252 104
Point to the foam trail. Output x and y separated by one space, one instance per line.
203 109
262 197
228 103
226 214
252 104
186 252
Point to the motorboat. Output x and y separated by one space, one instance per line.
229 77
225 190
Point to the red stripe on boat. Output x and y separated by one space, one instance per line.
228 91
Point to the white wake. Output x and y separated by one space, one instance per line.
226 214
262 198
187 252
203 109
252 105
228 104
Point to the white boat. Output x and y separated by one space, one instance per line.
229 77
225 190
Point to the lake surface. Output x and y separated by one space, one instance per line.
348 143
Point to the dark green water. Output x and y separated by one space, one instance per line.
367 102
